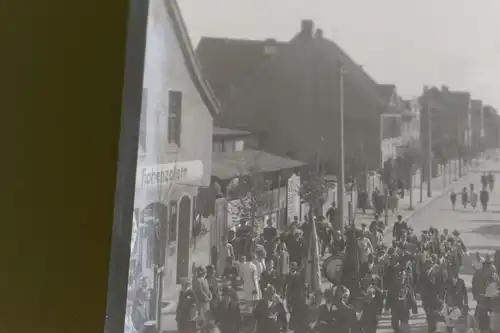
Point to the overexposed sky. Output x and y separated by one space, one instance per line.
406 42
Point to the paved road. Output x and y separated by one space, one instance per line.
479 230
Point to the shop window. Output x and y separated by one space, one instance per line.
172 223
217 146
229 146
174 117
143 121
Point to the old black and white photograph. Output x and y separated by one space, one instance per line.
317 167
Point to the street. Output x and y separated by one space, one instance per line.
479 230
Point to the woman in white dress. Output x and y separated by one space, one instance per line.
260 264
248 273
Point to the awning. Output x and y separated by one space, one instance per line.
227 165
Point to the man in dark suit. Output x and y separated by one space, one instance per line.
269 313
369 268
456 292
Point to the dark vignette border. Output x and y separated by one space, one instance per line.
127 165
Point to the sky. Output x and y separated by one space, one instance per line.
409 43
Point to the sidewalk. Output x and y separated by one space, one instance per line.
438 189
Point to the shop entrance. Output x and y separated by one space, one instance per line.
184 236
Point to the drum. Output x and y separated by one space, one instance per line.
332 268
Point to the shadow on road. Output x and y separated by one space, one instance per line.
458 210
483 248
484 221
488 230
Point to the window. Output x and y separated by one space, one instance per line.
229 146
239 145
143 120
174 117
217 146
172 222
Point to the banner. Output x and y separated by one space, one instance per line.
293 197
313 272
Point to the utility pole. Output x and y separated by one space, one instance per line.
340 168
411 188
422 180
427 141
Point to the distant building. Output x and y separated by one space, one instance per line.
400 123
491 127
289 93
477 125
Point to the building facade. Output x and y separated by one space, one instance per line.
289 93
175 153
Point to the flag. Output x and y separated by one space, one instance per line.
446 314
313 272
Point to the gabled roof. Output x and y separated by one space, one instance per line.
226 62
190 58
357 75
229 63
386 91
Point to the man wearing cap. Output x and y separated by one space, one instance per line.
271 238
295 289
373 303
186 308
400 227
297 247
331 214
227 251
201 289
213 284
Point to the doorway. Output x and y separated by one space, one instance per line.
183 240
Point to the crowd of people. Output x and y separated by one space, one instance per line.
269 274
262 286
257 282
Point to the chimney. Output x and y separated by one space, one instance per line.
307 27
319 34
270 47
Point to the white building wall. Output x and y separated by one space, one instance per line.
166 70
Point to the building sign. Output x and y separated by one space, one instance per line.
166 174
293 198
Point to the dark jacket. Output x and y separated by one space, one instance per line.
345 318
268 278
366 270
228 317
270 318
201 289
484 196
456 293
295 286
186 307
399 227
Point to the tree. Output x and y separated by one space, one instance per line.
313 191
411 158
251 196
